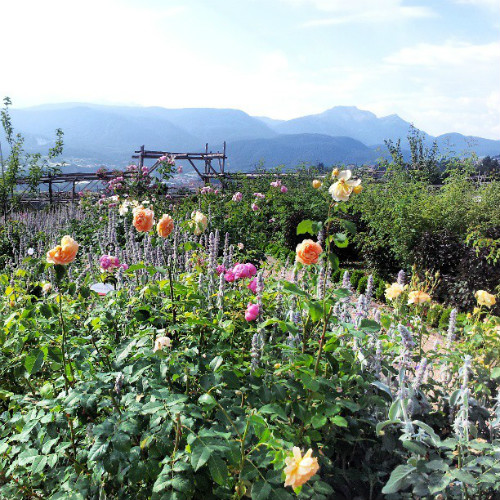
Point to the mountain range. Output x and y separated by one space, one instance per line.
97 135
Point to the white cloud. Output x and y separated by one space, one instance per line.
450 53
362 11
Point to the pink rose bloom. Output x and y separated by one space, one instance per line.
284 189
216 191
240 271
271 220
220 269
237 196
105 262
252 270
229 276
162 158
259 195
255 207
252 312
276 184
115 261
179 169
252 286
124 266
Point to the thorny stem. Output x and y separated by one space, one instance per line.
63 346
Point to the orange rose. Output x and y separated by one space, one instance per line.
418 297
317 183
143 219
308 252
64 253
165 226
299 469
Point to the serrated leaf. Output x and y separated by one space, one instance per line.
200 456
218 469
397 479
34 361
261 490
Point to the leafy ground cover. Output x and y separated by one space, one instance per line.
157 355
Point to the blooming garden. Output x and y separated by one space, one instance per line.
151 350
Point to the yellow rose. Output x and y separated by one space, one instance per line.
335 172
357 189
418 297
64 253
394 291
343 188
199 222
299 469
316 184
160 343
485 299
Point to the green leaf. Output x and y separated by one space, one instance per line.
369 325
334 261
350 226
200 455
34 361
339 421
207 401
274 409
293 289
340 240
309 227
261 490
318 421
397 479
382 387
415 447
216 362
218 469
315 310
495 373
323 488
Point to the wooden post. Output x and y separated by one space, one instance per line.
141 157
224 159
73 191
50 189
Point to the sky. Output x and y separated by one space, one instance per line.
434 63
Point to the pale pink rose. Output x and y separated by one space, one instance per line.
162 158
252 270
259 195
124 266
284 189
161 342
237 196
276 184
252 312
252 285
179 169
255 207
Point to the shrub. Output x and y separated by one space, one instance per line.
361 288
356 275
444 320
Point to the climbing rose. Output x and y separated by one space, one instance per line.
308 252
284 189
299 469
165 226
64 253
255 207
252 270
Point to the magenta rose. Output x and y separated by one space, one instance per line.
252 312
253 286
241 271
229 276
252 270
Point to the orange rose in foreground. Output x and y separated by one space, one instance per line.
143 219
308 252
64 253
300 469
165 226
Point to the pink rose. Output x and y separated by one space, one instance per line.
252 312
252 286
124 266
237 196
162 158
276 184
105 262
284 189
255 207
220 269
240 271
252 270
229 276
259 195
179 169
